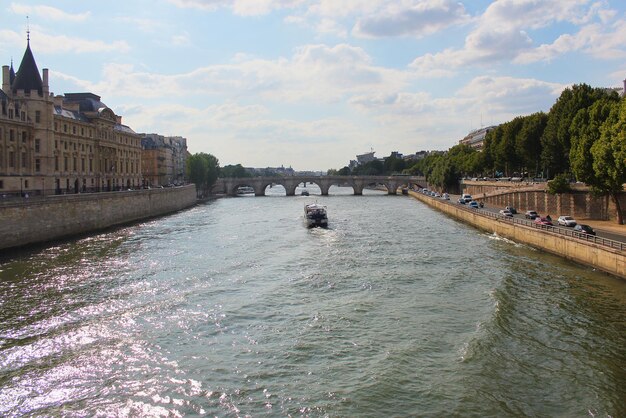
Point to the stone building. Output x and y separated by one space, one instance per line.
164 159
60 144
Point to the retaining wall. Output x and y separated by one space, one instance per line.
54 217
579 203
610 260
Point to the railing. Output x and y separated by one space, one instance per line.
548 228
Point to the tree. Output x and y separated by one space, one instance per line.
560 184
585 131
235 171
528 142
203 170
609 156
556 139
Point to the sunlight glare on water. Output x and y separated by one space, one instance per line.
234 308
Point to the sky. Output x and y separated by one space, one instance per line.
310 84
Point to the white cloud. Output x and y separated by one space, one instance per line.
419 19
501 35
239 7
314 74
48 13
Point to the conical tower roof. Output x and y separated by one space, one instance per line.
11 74
27 77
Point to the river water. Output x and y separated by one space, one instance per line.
234 308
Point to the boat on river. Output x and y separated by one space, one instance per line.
245 191
315 215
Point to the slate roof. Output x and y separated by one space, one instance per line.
88 102
70 114
27 77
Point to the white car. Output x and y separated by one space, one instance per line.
506 212
565 220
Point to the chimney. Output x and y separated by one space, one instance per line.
46 88
6 79
624 91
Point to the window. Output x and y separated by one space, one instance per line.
1 184
82 164
37 165
82 131
37 116
56 144
11 159
65 127
24 136
56 126
56 163
10 113
64 163
74 163
37 145
90 165
11 134
74 130
65 144
23 160
23 116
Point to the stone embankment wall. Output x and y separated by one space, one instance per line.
610 260
33 221
579 203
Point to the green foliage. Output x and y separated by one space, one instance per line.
609 156
203 170
560 184
556 139
344 171
234 171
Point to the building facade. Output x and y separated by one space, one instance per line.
163 160
476 138
60 144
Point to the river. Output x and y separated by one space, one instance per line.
234 308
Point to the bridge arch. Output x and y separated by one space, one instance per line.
229 186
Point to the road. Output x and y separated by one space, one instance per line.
599 232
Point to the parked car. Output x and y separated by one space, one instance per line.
506 212
473 204
565 220
445 196
531 214
467 197
542 221
584 229
461 201
511 209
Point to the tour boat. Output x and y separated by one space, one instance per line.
315 215
245 190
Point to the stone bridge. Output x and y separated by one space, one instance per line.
229 186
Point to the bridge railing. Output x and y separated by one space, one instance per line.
548 228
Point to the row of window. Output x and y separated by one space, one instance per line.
132 167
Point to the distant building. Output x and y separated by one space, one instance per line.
365 158
60 144
476 138
163 159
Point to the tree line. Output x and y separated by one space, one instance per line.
582 137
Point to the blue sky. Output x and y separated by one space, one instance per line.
312 83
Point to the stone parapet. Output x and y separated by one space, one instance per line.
587 253
55 217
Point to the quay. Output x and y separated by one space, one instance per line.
32 221
604 255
